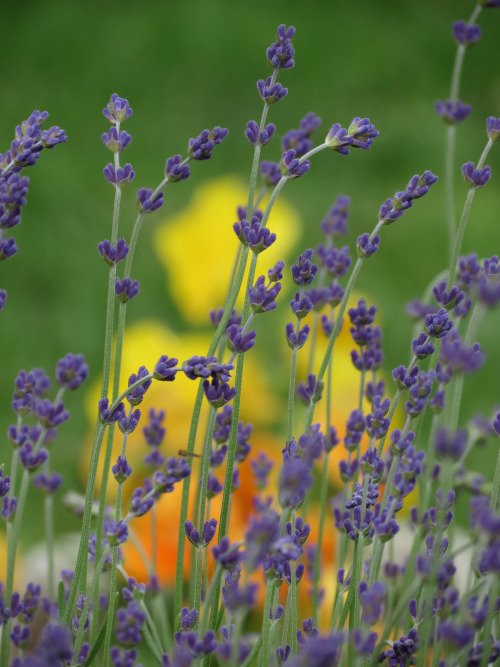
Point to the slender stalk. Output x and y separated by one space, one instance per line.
291 384
354 620
203 499
463 219
323 496
266 625
114 565
49 541
293 588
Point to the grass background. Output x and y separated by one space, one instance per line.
186 66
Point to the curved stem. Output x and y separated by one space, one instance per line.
463 219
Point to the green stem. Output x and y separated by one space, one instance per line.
354 616
114 565
463 220
291 385
87 516
226 496
49 540
266 625
203 500
293 586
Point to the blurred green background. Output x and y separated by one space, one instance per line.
185 66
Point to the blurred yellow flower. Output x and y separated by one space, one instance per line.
197 246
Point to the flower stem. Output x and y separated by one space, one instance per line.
203 500
293 586
463 219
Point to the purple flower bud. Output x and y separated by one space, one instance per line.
136 396
276 273
403 379
262 299
280 54
107 416
271 94
113 255
239 341
293 167
218 393
30 460
175 170
489 4
475 178
301 307
71 371
50 415
338 139
453 112
4 484
293 340
201 148
117 110
256 138
493 128
366 248
466 34
129 424
253 235
52 137
120 178
228 556
165 369
437 325
270 172
117 533
8 248
312 391
126 289
450 445
116 141
145 201
335 222
3 299
9 507
304 271
121 470
422 347
48 483
295 480
362 132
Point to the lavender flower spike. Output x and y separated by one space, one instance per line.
366 248
475 178
280 54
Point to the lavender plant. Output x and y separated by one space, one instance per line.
245 602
